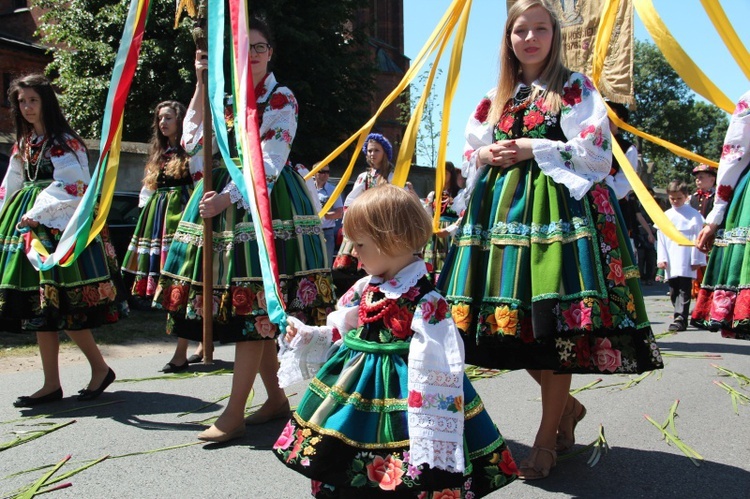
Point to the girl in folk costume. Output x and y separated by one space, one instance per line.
379 154
47 176
391 413
724 299
437 246
240 314
167 185
541 277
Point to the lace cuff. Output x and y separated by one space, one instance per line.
301 358
235 196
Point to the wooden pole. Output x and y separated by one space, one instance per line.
200 35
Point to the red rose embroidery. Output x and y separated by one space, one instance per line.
269 135
197 176
533 119
572 94
506 123
610 234
482 110
278 100
507 464
415 399
725 192
583 351
242 300
399 323
56 151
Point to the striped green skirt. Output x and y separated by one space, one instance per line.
77 297
239 305
149 246
724 298
539 280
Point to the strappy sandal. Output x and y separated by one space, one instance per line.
530 470
570 420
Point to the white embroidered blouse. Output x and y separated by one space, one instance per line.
735 156
55 205
584 159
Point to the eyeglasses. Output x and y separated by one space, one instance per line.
260 48
325 172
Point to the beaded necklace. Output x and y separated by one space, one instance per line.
520 101
35 159
371 311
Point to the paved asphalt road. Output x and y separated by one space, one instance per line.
146 416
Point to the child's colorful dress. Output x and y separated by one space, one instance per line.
392 410
724 299
541 276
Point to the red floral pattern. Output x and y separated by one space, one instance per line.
572 94
483 109
725 192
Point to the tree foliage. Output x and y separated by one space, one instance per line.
667 108
428 135
326 63
88 33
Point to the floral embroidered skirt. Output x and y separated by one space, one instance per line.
350 433
437 249
77 297
239 303
149 246
724 298
538 280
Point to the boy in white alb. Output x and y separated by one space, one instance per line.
680 262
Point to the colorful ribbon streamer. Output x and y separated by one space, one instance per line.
84 226
248 139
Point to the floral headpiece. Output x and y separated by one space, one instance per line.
380 139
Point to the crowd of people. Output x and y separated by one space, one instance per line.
537 264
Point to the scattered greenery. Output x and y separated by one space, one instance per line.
669 432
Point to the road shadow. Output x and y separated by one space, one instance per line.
625 472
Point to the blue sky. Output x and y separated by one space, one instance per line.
685 19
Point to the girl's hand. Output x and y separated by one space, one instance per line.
705 239
506 153
27 222
213 204
201 64
291 332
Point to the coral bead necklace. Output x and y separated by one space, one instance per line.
373 310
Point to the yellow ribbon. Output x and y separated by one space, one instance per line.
606 24
678 59
728 34
442 30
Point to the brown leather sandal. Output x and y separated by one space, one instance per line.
531 470
569 420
